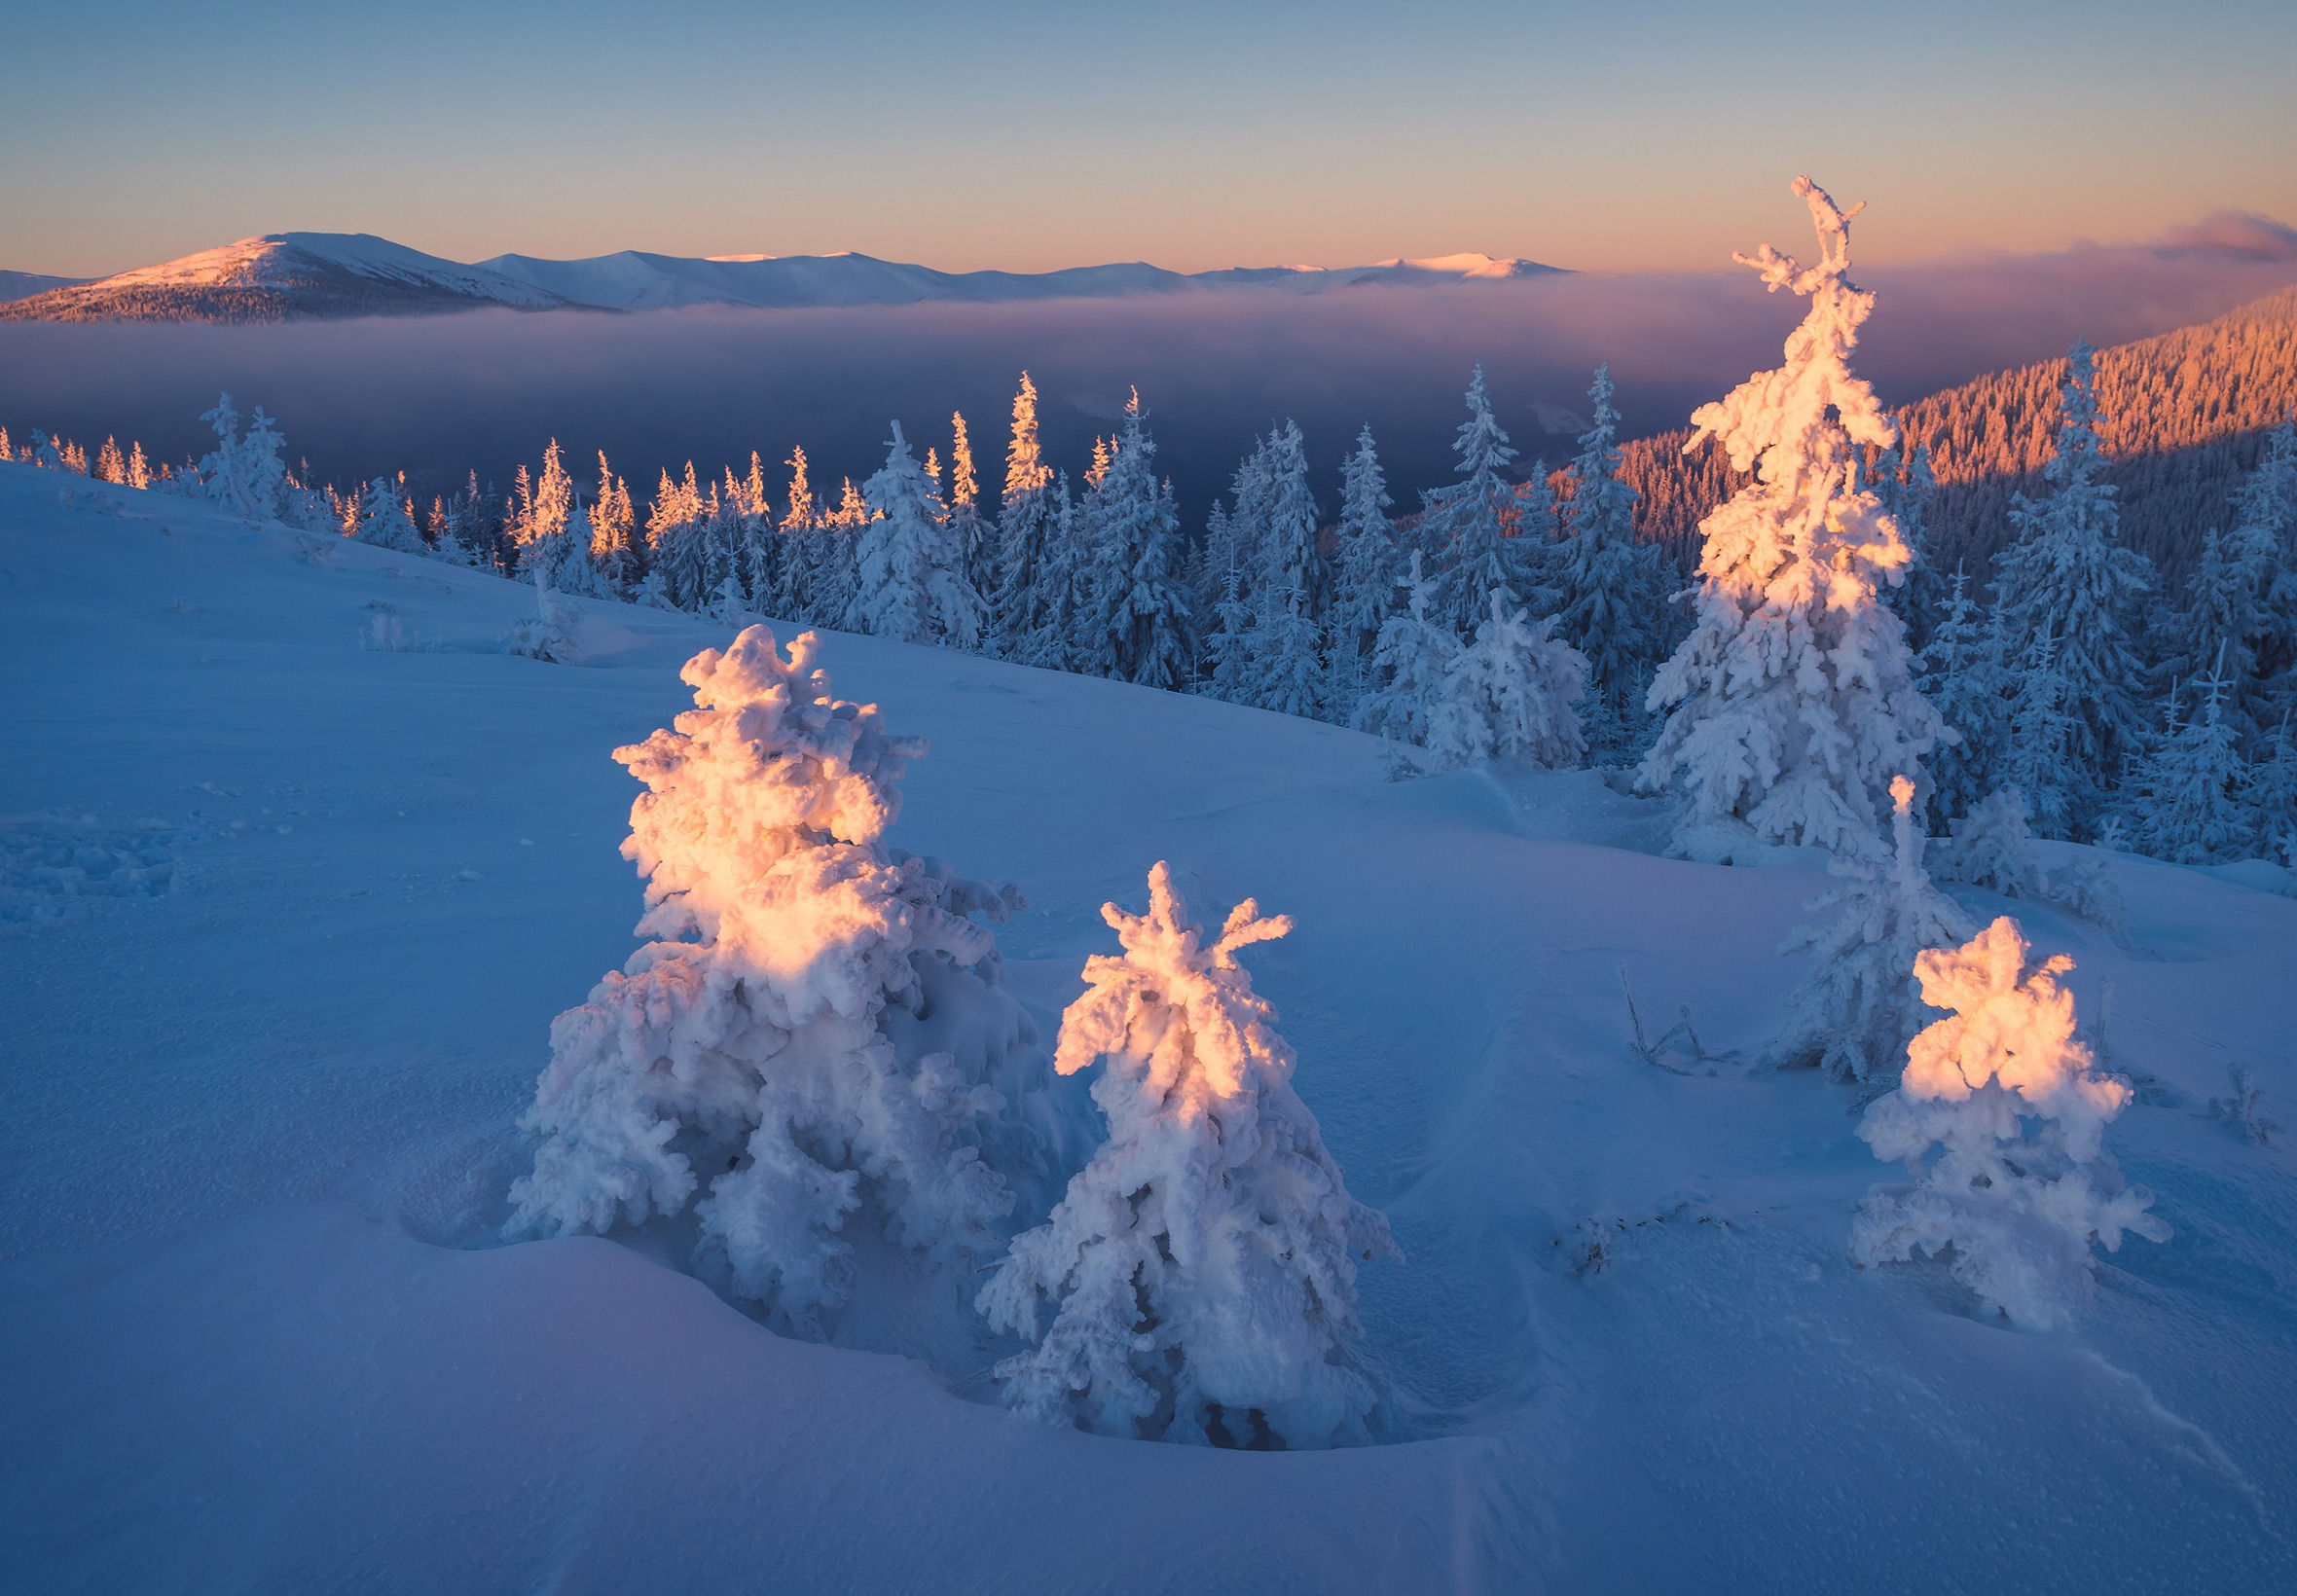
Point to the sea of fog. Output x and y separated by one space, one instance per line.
439 396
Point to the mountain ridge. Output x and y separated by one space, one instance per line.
300 276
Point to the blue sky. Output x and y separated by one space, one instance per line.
1628 138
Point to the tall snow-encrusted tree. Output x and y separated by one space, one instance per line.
676 554
1465 525
1290 558
1792 703
2001 1116
2042 755
1363 581
1613 588
383 519
1202 1268
1024 524
2189 790
613 529
1411 666
2265 540
814 1035
907 585
1143 606
1065 586
1511 695
244 470
1857 1007
1287 670
1962 678
973 539
553 538
2068 575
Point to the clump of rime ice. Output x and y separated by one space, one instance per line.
1793 701
1857 1009
815 1030
1202 1267
2001 1116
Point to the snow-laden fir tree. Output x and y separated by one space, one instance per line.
2001 1116
2188 793
1962 678
1511 695
1024 527
1613 588
907 585
1142 603
1202 1268
1363 577
2041 756
1411 666
677 551
383 519
1792 703
2271 795
614 530
1289 557
814 1035
554 535
972 538
1065 585
1906 484
2068 576
1857 1007
1286 672
1228 650
244 471
2265 539
1465 523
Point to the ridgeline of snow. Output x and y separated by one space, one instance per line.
287 276
292 275
293 896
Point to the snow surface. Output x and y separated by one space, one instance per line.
285 918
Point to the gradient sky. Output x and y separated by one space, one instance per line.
1030 136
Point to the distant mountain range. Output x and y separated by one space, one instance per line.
309 276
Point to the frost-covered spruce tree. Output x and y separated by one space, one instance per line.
1857 1008
1065 583
906 584
1202 1268
972 538
1962 678
2001 1116
1146 610
383 519
1465 523
1287 670
1411 666
2188 791
2068 576
1613 590
813 1034
1993 847
1511 695
1906 484
1364 582
2042 756
2272 796
1792 703
1024 526
244 471
1289 559
1229 647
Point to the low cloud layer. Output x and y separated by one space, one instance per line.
438 396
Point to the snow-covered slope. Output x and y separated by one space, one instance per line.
287 276
16 285
257 1330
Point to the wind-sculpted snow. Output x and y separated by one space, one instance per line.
1202 1268
746 1050
2017 1206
